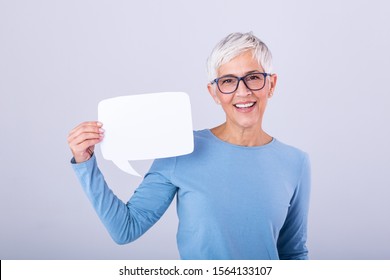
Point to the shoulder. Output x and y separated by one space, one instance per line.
203 140
200 135
295 162
289 151
291 156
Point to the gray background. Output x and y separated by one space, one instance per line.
58 59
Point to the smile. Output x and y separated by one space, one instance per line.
245 105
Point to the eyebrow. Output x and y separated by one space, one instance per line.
249 72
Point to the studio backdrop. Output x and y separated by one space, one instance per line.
58 59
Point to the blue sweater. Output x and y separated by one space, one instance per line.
233 202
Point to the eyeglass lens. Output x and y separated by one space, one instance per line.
229 84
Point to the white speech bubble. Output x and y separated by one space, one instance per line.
145 126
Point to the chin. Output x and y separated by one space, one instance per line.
247 118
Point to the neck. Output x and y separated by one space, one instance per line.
248 137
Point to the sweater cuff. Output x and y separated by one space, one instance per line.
85 165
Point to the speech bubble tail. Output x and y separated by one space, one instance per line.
125 166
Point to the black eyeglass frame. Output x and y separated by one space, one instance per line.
215 81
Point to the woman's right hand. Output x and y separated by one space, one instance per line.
83 138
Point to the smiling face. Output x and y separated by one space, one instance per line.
244 108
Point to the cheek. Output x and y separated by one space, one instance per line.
262 94
225 98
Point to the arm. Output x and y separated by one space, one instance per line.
293 235
127 221
124 222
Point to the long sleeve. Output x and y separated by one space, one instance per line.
233 202
127 221
293 235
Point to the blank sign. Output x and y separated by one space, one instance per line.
145 126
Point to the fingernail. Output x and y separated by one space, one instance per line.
99 124
101 130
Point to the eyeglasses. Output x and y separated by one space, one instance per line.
229 84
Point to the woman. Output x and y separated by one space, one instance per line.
241 194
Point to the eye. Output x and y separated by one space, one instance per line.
254 77
227 81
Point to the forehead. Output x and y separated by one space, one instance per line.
240 65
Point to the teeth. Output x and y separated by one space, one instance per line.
245 105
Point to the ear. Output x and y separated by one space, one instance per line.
213 92
273 80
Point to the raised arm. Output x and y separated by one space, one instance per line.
124 221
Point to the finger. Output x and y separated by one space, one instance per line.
87 144
85 130
90 150
83 146
85 136
86 124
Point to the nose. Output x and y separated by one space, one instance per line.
242 89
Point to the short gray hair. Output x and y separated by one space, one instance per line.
235 44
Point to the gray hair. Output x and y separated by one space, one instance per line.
235 44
